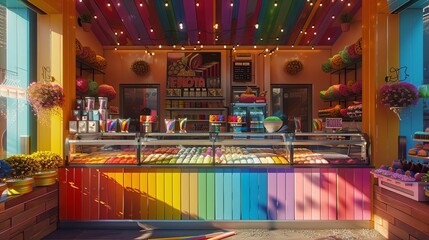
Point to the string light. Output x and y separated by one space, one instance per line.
216 26
201 46
181 25
281 30
312 26
277 38
293 45
232 4
139 38
116 33
119 4
349 4
122 32
333 16
151 29
153 53
254 46
118 44
315 33
261 39
266 50
256 25
80 0
160 46
116 48
166 4
275 4
329 38
197 4
183 48
224 46
195 48
95 17
108 4
141 4
198 41
312 47
174 46
320 4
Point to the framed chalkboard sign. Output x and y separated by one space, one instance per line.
242 71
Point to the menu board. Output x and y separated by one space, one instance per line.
242 71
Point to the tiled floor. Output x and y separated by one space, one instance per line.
241 234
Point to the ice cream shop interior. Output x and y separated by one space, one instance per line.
215 114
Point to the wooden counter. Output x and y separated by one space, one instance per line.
30 216
398 217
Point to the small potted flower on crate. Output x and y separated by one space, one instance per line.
23 168
5 171
48 162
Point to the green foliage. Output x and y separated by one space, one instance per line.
22 165
85 18
346 18
47 160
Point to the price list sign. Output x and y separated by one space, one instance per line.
243 71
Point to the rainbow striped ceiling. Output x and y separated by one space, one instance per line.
217 22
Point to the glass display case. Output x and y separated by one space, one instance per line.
330 149
220 149
102 149
215 148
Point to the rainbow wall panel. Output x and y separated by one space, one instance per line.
215 194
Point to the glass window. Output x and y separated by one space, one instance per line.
15 73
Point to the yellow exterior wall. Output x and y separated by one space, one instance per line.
56 51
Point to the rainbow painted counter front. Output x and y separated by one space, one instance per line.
215 193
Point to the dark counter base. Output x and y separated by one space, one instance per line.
398 217
214 225
30 216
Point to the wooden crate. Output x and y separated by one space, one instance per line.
413 190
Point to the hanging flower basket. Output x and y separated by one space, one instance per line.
398 96
293 67
45 97
140 67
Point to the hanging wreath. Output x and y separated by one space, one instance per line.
140 67
293 67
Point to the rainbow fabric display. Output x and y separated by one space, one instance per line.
182 124
111 125
169 125
317 124
125 124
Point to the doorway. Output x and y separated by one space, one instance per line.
293 100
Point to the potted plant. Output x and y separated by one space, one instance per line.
85 20
5 171
23 168
48 163
345 19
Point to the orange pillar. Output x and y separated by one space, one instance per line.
380 34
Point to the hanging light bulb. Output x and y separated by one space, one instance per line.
151 30
232 4
201 46
180 25
275 4
166 4
108 4
183 48
256 26
141 4
160 46
197 4
281 30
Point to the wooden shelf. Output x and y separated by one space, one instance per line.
195 98
194 109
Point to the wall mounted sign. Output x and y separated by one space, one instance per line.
242 71
192 72
333 122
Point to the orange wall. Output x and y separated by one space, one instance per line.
311 74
